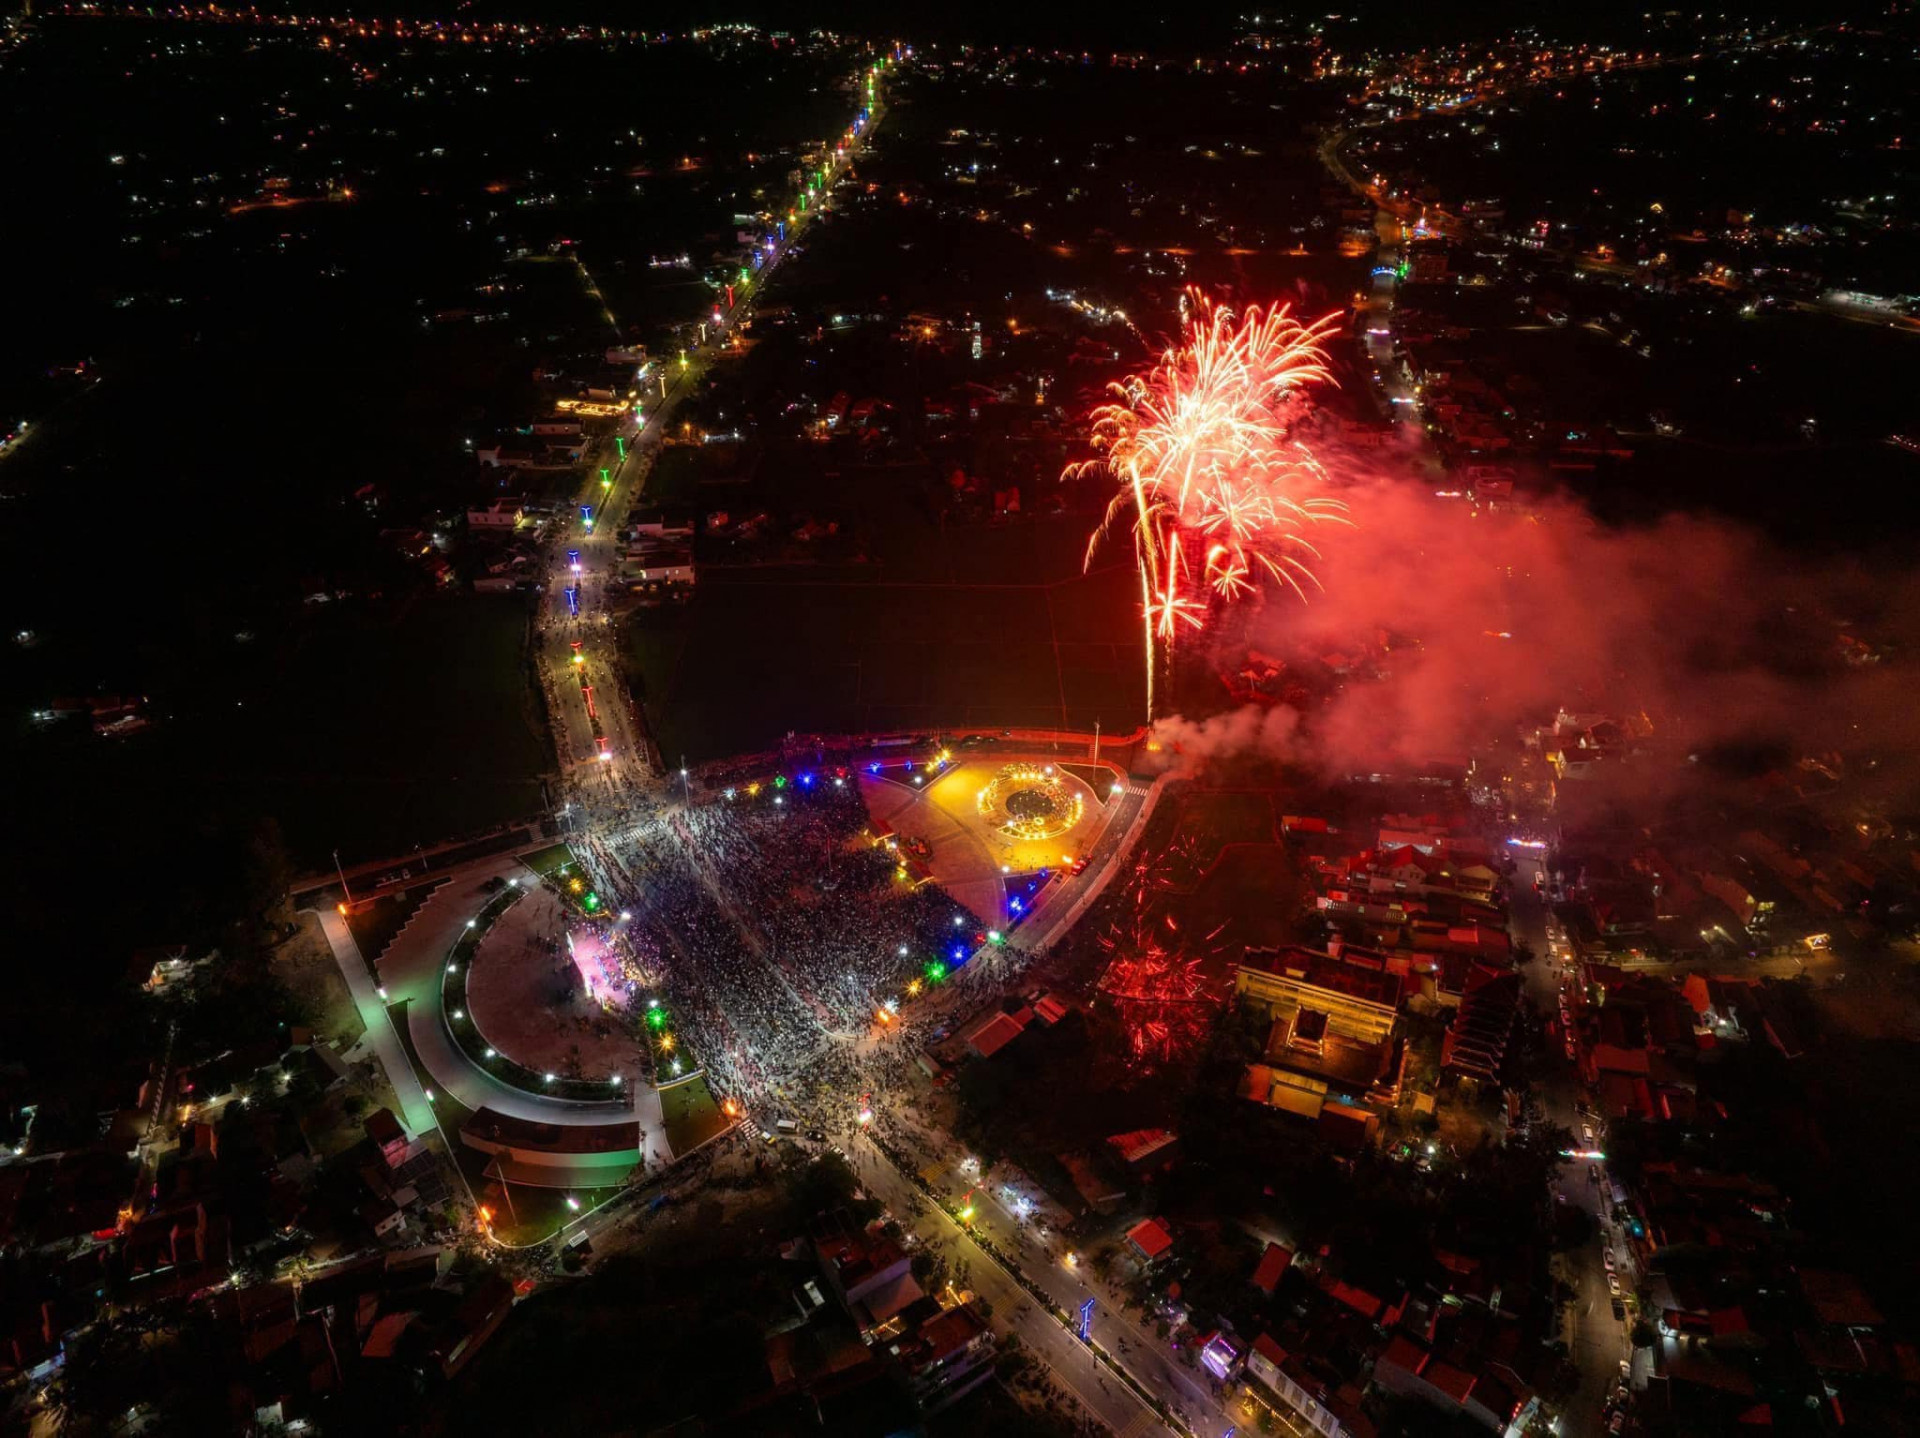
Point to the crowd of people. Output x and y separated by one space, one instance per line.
779 931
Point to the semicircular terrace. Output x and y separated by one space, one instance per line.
412 970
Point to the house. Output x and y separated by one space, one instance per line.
388 1137
660 522
1147 1151
467 1329
1332 1036
1150 1240
501 514
1281 1380
1272 1266
948 1357
992 1031
1489 1392
660 564
1475 1044
1097 1190
872 1277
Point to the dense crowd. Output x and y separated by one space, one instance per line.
779 927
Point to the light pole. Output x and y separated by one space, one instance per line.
1096 741
686 792
343 878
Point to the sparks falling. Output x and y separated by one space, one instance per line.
1156 981
1202 448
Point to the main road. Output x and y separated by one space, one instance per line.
1078 1370
583 563
1597 1342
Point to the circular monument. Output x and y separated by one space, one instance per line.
1030 801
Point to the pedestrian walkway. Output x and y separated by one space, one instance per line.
416 1114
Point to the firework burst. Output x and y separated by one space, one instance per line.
1156 981
1201 446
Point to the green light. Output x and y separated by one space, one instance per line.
620 443
779 781
656 1018
593 901
936 971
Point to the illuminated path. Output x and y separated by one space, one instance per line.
416 1114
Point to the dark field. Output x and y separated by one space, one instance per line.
964 638
374 734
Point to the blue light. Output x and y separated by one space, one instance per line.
1015 904
958 951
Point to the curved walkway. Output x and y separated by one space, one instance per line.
410 971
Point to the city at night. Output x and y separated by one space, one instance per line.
966 722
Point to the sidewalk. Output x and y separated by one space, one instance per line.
416 1114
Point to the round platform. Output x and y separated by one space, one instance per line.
529 999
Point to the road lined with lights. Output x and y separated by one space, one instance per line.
594 719
1079 1370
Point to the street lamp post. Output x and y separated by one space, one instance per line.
343 878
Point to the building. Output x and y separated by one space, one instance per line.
660 564
1331 1039
1281 1380
872 1277
1273 1266
1475 1044
1490 1393
388 1137
948 1357
1147 1151
1357 990
1150 1240
467 1329
501 514
992 1031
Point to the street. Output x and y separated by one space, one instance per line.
1109 1399
1596 1340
